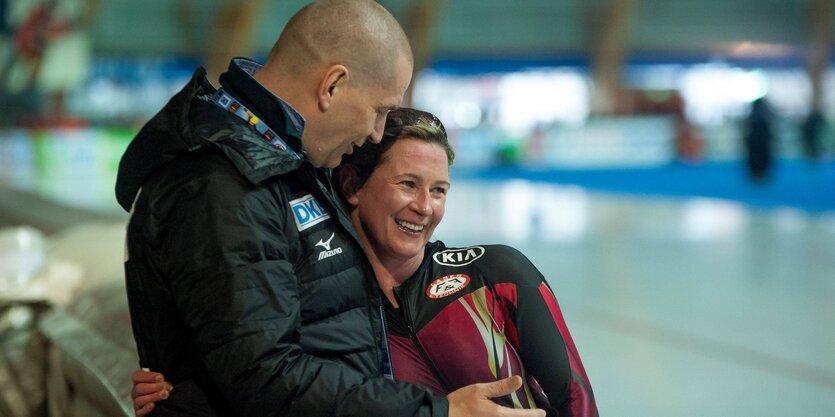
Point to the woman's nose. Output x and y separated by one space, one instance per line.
422 203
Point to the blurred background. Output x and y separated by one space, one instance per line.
668 164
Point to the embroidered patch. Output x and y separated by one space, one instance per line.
447 285
307 211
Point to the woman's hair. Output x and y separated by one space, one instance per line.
402 123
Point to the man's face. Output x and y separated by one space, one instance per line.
399 206
358 114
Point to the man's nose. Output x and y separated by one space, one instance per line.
377 134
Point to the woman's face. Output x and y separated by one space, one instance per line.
403 200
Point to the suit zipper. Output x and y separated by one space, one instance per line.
417 344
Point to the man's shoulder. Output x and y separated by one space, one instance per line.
211 180
200 168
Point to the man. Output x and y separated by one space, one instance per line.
247 285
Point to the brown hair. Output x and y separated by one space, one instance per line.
403 123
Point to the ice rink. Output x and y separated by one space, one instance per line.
685 307
679 306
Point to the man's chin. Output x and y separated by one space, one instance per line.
324 161
333 162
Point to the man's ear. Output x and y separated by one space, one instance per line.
334 82
348 181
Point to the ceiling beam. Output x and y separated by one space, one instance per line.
819 47
610 44
233 34
421 27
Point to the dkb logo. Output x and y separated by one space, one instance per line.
308 212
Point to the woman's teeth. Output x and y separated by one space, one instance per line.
409 226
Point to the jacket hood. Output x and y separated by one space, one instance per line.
190 122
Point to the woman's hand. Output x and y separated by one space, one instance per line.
148 388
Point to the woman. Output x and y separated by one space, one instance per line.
455 316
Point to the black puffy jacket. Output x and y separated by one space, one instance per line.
248 288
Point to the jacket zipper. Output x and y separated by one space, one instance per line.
386 348
416 342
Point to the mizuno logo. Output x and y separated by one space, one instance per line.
458 257
326 244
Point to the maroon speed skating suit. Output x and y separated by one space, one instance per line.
482 313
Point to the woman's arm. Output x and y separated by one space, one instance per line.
544 342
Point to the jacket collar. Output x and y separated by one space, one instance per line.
279 115
190 123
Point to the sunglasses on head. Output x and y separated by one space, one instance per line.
412 117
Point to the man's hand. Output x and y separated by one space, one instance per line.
475 400
148 388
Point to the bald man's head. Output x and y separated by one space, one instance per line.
360 34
